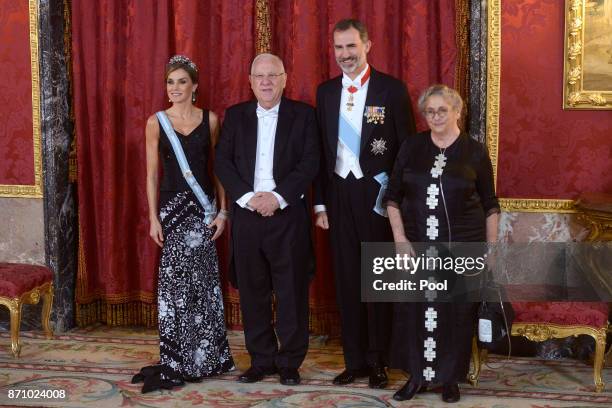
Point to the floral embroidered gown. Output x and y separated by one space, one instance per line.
193 342
432 340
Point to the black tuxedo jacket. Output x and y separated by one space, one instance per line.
383 91
296 150
296 158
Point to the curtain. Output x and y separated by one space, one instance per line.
120 49
119 52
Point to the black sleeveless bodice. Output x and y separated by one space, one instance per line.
197 147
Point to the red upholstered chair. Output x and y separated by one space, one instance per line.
25 284
540 321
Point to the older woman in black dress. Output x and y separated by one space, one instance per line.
441 190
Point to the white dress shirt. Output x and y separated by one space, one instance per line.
346 160
264 157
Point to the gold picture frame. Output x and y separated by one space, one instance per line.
492 127
35 190
587 60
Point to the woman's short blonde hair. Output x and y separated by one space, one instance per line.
449 94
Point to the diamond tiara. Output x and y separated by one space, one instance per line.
181 59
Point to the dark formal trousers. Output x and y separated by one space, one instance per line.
365 326
272 255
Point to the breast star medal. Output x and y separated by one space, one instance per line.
379 146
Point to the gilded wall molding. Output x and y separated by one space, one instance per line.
574 94
263 35
493 79
493 111
537 205
35 190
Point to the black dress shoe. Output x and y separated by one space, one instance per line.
407 391
289 376
254 374
349 375
450 392
378 377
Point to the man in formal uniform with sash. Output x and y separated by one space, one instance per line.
364 116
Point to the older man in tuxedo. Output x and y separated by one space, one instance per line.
266 158
364 116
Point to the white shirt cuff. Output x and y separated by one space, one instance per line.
319 208
242 201
281 200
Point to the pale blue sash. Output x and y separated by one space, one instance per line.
210 209
383 180
349 136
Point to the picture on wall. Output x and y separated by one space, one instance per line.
588 55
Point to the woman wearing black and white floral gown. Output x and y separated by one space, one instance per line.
193 342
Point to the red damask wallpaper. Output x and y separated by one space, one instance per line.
544 151
16 146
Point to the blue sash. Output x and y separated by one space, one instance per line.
383 180
349 136
210 209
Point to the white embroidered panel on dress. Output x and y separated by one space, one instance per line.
430 349
432 224
431 295
429 354
438 167
431 252
431 314
432 196
429 373
430 319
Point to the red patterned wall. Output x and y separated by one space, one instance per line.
16 146
544 151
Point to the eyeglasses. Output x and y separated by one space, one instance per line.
269 77
431 113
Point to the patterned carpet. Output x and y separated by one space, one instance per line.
94 366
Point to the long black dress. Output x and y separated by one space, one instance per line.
193 342
432 340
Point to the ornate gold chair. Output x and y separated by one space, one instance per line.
25 284
540 321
